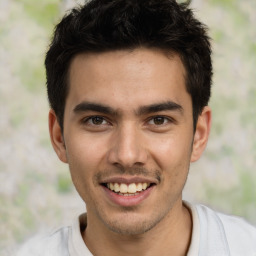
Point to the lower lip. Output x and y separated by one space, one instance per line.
127 201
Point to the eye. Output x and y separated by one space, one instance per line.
158 120
95 120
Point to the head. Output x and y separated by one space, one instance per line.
129 83
102 26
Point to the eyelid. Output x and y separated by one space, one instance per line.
86 119
168 118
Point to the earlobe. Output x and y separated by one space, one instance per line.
57 139
201 134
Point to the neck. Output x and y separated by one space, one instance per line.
171 236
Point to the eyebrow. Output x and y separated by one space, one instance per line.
143 110
88 106
168 105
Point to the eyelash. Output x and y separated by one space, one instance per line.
151 119
90 118
164 118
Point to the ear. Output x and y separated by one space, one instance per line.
57 139
201 134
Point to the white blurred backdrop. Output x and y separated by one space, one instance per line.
36 193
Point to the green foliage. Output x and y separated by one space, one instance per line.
218 36
45 142
24 36
64 183
226 3
45 13
252 49
32 75
248 188
17 117
238 199
21 197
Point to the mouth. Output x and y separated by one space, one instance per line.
132 189
127 191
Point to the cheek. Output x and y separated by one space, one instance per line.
171 151
82 169
85 151
84 159
173 157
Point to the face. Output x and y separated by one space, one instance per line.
128 136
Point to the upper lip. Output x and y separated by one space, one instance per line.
129 180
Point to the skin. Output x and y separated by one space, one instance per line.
128 115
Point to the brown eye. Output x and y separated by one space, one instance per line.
158 120
97 120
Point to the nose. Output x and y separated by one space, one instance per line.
127 148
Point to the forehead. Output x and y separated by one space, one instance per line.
124 78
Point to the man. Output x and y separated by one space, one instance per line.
128 84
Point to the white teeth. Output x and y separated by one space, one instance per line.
128 189
111 186
139 187
116 187
144 185
123 188
132 188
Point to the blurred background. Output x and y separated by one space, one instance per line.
36 193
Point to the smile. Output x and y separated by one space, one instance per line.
123 189
125 193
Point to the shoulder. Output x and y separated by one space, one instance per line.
239 234
54 244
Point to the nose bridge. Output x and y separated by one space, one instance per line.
127 149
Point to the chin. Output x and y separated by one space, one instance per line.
130 224
130 229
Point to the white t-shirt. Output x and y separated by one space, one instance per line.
214 234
